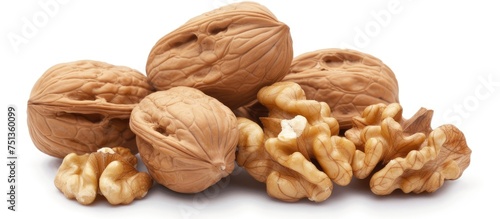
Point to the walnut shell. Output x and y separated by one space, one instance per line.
228 53
186 139
347 80
81 106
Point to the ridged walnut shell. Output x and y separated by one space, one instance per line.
228 53
347 80
81 106
186 139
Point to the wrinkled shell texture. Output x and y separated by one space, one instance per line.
109 171
186 139
414 157
296 164
347 80
228 53
79 107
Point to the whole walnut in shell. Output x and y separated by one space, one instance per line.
228 53
186 139
347 80
81 106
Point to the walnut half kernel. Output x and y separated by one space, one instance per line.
296 153
415 158
109 171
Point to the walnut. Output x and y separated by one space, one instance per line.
228 53
296 153
81 106
347 80
109 171
186 139
415 158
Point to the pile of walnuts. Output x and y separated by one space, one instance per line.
224 89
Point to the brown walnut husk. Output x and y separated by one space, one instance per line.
186 139
228 53
81 106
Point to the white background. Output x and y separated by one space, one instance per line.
445 55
